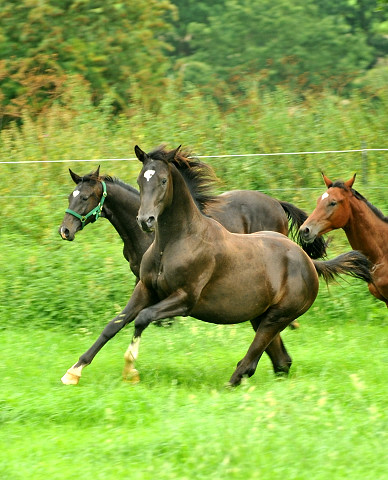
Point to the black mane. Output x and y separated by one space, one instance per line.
375 210
109 179
199 177
117 181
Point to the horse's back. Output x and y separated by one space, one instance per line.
247 211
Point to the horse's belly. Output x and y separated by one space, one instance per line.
229 304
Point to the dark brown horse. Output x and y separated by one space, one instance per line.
196 267
240 211
365 226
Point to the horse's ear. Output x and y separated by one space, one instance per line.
142 156
97 172
327 180
171 155
349 183
76 178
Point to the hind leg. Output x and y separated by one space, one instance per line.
267 338
279 356
276 351
281 361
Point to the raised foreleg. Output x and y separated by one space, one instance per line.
140 299
176 304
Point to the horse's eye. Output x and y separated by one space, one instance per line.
333 203
164 181
84 197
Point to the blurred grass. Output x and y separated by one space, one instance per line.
328 419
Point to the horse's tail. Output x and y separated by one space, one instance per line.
352 263
296 217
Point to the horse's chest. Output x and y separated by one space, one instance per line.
155 278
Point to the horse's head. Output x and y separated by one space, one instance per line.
85 204
155 186
332 210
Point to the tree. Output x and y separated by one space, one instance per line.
286 42
114 46
366 16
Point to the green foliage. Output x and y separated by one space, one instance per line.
257 44
131 54
113 47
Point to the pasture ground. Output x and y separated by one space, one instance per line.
328 419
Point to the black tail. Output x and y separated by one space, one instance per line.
296 216
352 263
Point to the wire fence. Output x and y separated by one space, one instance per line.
363 151
228 155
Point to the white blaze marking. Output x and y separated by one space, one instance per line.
325 195
75 193
148 174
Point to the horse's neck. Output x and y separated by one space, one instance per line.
121 207
179 219
365 231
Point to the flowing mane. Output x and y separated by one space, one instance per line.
375 210
200 178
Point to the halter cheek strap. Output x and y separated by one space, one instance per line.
96 210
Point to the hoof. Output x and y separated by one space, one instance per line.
70 379
131 377
294 325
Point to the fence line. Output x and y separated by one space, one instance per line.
362 150
100 160
286 189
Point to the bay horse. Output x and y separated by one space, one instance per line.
196 267
365 226
240 211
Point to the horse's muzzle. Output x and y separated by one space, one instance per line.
65 233
146 223
306 234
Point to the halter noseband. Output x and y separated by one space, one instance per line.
96 210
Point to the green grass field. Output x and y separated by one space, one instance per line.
327 420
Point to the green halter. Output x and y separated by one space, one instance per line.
96 210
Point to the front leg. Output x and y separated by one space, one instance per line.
141 298
176 304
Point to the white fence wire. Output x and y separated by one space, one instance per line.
101 160
361 150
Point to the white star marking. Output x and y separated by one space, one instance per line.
148 174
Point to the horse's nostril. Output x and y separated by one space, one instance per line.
150 220
64 232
